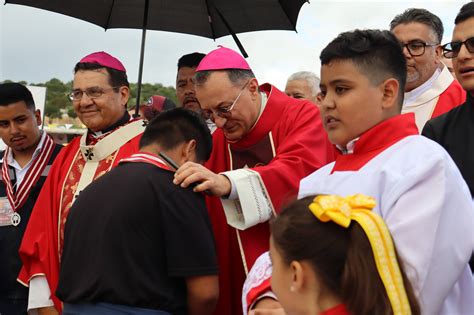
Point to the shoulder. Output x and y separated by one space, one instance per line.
447 119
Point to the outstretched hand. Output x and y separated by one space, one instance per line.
191 173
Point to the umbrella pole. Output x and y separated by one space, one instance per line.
142 54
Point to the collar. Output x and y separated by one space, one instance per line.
349 149
375 140
122 121
411 96
13 163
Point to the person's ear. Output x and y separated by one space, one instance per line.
298 275
124 94
390 88
188 151
438 54
38 117
253 87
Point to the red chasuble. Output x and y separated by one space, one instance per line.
41 246
287 143
452 97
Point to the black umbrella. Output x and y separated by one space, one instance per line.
208 18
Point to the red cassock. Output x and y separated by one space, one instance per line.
286 144
41 246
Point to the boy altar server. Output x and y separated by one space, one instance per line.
419 190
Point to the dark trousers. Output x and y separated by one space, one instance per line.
13 307
107 309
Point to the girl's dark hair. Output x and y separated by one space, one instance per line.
341 258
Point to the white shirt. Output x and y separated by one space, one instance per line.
20 172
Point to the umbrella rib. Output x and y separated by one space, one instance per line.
231 31
210 20
288 17
110 15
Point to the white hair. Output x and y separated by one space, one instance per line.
310 77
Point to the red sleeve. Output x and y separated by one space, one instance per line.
39 247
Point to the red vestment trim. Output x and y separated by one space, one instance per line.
376 140
146 157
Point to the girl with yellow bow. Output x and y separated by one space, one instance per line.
333 255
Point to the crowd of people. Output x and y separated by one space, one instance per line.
351 193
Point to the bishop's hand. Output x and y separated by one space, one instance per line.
191 173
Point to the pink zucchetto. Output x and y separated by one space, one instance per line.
104 59
222 58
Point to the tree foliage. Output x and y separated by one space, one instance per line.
58 104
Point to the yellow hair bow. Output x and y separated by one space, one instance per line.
359 207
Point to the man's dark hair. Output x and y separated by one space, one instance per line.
190 60
377 54
466 12
15 92
236 76
117 78
175 126
420 16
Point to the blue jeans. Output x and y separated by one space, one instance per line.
108 309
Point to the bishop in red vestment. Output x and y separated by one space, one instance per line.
264 144
100 94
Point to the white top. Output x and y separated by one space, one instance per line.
20 172
422 100
427 207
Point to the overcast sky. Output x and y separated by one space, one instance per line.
37 45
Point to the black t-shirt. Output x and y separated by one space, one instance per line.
132 237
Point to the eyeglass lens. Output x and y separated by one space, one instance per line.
451 50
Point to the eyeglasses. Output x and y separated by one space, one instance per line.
224 111
452 49
92 93
417 48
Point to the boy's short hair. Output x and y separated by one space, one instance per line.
175 126
15 92
377 54
466 12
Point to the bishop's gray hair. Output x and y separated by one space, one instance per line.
310 77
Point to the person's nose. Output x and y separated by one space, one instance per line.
406 52
327 102
85 100
14 128
219 121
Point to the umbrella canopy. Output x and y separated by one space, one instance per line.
207 18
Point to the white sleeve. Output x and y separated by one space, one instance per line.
252 204
257 283
430 215
39 294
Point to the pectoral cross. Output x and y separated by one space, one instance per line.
89 153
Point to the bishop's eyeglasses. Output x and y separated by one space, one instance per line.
92 93
224 111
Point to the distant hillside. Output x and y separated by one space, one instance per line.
56 95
